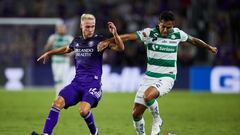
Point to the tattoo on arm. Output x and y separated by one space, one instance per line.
125 37
198 42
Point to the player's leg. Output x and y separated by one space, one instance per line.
159 88
58 73
138 119
67 97
138 110
150 96
92 95
63 73
53 115
85 112
67 70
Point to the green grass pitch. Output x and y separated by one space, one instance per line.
184 113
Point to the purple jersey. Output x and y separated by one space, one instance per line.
86 86
88 61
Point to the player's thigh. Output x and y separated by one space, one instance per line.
150 93
71 95
57 71
65 69
92 94
163 85
139 98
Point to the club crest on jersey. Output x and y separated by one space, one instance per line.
173 37
90 43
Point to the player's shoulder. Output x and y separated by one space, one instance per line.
99 37
69 36
53 35
148 29
180 34
175 30
78 38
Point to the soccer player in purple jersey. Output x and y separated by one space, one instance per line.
86 86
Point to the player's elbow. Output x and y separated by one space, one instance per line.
195 41
118 47
121 48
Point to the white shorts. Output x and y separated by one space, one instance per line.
163 85
60 70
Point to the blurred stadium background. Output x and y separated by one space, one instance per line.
215 21
25 26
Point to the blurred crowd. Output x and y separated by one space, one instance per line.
214 21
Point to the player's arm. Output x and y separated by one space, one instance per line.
118 43
61 50
125 37
200 43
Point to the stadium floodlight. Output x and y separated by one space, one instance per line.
30 21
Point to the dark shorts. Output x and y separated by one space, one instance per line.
77 92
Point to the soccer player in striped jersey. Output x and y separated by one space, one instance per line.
161 45
60 63
86 86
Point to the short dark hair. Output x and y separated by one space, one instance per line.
167 16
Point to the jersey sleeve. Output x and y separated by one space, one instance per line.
143 35
51 39
71 45
101 37
70 38
184 36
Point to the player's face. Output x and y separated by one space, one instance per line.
61 29
88 28
165 27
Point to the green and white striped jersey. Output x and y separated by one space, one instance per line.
161 51
59 41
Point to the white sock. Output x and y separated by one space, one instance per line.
140 126
154 109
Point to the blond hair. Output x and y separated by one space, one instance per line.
87 17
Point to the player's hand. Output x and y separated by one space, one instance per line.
102 45
112 28
44 57
214 50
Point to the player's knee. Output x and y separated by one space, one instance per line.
136 114
84 112
59 103
150 94
148 97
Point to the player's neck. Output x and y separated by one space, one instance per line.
86 37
